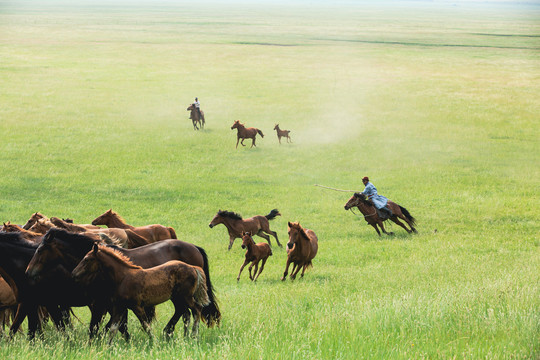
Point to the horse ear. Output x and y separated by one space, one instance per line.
95 248
289 223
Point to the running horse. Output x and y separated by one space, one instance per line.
254 254
136 288
245 133
256 225
282 133
372 217
195 118
152 233
301 249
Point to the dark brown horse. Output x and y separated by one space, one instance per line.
64 249
257 225
372 217
195 118
152 233
254 254
301 249
245 133
282 133
136 288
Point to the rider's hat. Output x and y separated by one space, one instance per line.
365 178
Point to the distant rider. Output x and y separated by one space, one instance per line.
198 107
379 201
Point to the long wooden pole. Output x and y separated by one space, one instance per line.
331 188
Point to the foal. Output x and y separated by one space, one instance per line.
282 133
254 254
135 288
301 249
245 133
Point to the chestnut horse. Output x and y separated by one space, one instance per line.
8 304
282 133
41 226
136 288
254 254
257 225
35 217
61 223
245 133
372 217
301 249
195 118
152 233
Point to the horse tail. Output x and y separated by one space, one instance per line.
134 239
260 133
211 312
408 215
172 232
272 214
200 295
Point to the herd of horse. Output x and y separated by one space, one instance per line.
50 265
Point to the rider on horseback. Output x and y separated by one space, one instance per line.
198 107
378 200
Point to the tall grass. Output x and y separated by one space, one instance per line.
438 107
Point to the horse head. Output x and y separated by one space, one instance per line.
46 257
355 200
294 229
236 125
276 127
103 218
89 267
246 239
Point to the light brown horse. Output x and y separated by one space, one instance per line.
8 304
152 233
254 254
257 225
372 217
195 118
245 133
33 219
77 228
301 249
136 288
282 133
26 234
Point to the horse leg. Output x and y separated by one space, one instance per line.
383 230
274 234
20 315
279 138
253 141
179 309
116 320
264 236
242 268
293 273
256 263
196 313
231 241
401 216
242 142
237 139
286 269
396 220
262 267
143 319
97 313
376 228
304 269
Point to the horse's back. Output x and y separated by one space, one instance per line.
314 242
157 253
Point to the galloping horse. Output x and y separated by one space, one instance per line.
194 116
282 133
371 216
257 225
136 288
301 249
26 234
41 226
151 233
254 254
245 133
61 223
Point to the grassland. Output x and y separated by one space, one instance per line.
437 104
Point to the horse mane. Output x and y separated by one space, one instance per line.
66 225
17 239
300 229
363 198
117 255
117 216
67 236
230 214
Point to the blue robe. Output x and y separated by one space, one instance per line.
371 192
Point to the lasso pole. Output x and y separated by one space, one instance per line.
331 188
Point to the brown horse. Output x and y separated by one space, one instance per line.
257 225
254 254
33 219
282 133
195 118
372 217
26 234
70 226
245 133
152 233
136 288
41 226
301 249
8 305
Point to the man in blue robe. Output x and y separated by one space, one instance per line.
379 201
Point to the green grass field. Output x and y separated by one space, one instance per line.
437 103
